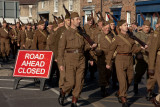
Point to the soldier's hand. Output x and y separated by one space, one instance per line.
18 44
146 46
61 68
108 67
55 60
94 46
151 72
91 63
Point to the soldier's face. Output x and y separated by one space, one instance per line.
124 27
42 26
18 25
100 24
4 24
146 28
13 27
76 21
29 27
23 28
67 22
106 29
112 26
90 22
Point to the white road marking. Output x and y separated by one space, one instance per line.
11 88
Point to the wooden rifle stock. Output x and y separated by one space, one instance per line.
20 21
55 18
115 19
136 39
85 36
141 15
62 17
67 12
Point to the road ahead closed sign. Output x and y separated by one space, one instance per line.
33 63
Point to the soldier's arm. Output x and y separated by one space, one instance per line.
35 41
153 51
136 49
113 48
61 49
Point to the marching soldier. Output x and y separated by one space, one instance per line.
62 73
5 41
22 37
14 36
154 62
104 40
40 37
70 54
29 36
125 47
142 57
151 80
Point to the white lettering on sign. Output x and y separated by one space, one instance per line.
33 63
31 71
34 56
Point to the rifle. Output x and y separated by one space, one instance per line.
115 19
55 18
141 15
94 25
100 13
97 15
27 20
62 17
85 36
67 12
15 21
131 35
41 18
20 21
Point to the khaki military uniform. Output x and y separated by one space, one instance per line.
154 56
142 57
21 39
29 39
125 47
14 37
39 40
71 55
5 42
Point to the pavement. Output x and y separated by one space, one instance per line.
29 95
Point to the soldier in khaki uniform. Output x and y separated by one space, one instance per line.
5 41
142 57
154 62
125 47
62 73
22 37
14 36
29 36
40 37
71 54
104 40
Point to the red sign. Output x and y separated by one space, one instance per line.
33 63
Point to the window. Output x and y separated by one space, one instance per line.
43 3
30 10
129 18
89 1
70 5
55 5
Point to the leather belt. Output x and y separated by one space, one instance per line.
74 51
125 54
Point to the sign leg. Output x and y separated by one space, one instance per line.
42 84
16 81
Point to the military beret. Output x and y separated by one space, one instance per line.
4 21
105 23
147 22
67 16
59 20
89 18
74 14
121 22
41 22
111 21
158 21
29 24
50 23
55 24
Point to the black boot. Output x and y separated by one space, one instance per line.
124 102
135 89
149 95
119 98
103 91
74 102
61 97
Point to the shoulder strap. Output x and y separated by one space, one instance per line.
42 33
108 39
5 30
125 40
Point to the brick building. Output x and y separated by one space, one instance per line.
121 9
